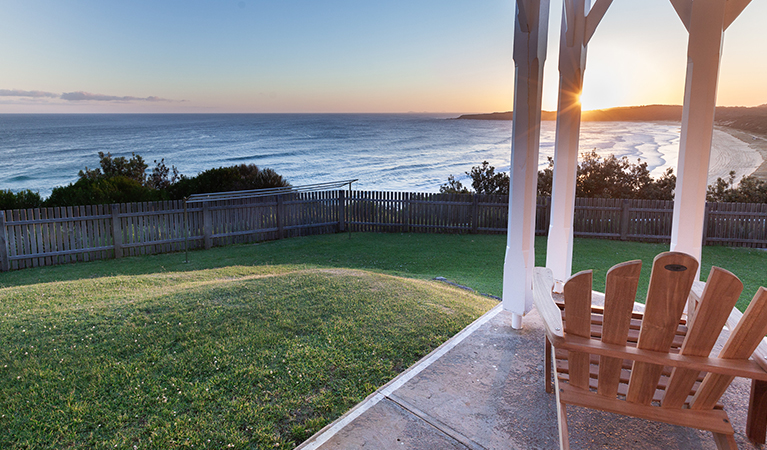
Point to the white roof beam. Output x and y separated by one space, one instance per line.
594 17
732 10
684 11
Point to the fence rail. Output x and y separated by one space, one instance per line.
49 236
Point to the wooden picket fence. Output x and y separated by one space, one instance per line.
49 236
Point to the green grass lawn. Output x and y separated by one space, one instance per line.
471 260
242 356
257 346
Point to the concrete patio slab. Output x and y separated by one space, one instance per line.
483 389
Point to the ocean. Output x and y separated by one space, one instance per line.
400 152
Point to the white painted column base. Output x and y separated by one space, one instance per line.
516 321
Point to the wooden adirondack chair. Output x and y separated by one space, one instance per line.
652 365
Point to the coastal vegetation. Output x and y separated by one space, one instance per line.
484 180
597 177
20 200
121 180
223 179
612 177
749 190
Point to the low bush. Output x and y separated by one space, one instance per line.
19 200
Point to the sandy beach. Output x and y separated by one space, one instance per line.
736 150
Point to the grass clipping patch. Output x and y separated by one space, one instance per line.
239 357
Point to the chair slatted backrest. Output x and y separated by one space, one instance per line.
620 294
741 344
673 274
670 281
648 375
719 297
578 323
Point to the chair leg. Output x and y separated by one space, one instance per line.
725 441
756 421
547 365
564 436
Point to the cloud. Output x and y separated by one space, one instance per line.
78 96
87 96
20 93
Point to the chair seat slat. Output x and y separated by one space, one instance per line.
660 392
712 420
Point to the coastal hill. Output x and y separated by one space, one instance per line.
749 119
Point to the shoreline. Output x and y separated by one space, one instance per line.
734 150
751 143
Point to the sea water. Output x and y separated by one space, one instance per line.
399 152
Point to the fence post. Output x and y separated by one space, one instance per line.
341 211
474 213
5 264
705 224
280 213
207 225
546 215
117 231
624 220
186 231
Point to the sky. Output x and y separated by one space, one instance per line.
288 56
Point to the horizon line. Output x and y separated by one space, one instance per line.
352 112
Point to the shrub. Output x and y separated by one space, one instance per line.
25 199
484 180
596 177
116 189
225 179
749 190
612 177
163 177
122 180
133 168
453 186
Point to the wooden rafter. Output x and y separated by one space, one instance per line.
732 10
594 17
684 11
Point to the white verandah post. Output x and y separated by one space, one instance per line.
577 29
705 21
530 38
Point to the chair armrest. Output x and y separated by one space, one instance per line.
697 290
543 282
693 300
